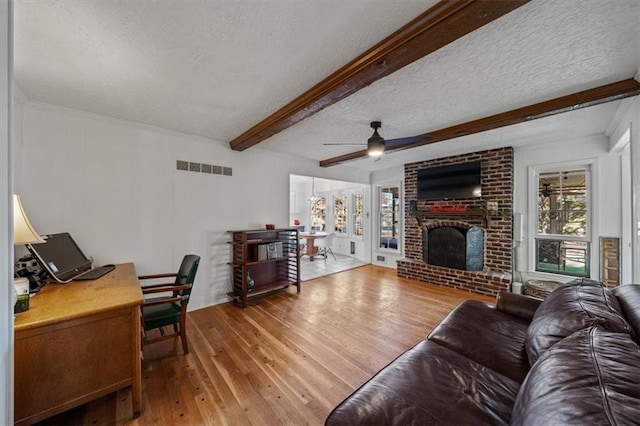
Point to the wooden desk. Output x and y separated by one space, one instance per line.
78 342
311 250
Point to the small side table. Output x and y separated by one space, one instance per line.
539 289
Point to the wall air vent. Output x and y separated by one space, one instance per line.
190 166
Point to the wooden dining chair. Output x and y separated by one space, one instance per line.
169 309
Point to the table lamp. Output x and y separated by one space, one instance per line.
23 233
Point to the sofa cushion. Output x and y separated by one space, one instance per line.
487 336
629 297
517 305
589 378
430 384
571 307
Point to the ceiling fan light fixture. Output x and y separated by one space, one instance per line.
375 147
375 144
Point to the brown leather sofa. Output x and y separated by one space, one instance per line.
570 359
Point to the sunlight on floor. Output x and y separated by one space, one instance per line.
320 266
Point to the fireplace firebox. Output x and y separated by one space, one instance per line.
454 247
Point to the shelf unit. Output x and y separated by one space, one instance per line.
270 256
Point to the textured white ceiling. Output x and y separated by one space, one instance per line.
216 68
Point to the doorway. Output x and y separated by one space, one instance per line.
326 206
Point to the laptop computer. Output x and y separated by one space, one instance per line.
61 257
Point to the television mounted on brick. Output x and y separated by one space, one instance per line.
450 182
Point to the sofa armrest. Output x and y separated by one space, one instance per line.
517 305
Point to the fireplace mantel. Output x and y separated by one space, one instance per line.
486 215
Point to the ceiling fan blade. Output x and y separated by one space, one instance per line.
404 141
346 144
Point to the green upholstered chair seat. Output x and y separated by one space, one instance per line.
161 315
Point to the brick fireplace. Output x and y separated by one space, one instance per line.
493 229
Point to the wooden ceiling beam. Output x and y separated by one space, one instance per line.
440 25
599 95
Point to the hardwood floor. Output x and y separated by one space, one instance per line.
286 359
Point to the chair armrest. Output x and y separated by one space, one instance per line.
517 305
163 288
143 287
153 276
162 301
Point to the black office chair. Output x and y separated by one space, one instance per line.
170 310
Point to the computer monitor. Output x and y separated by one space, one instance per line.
61 257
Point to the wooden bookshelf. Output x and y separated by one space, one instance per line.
270 256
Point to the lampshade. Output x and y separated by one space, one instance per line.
23 232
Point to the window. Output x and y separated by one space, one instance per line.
357 201
318 213
389 199
562 241
340 214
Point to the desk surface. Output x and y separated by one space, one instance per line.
63 302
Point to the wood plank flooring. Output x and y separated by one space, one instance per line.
288 359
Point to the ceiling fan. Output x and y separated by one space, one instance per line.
376 144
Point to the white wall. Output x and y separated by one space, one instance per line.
6 222
114 186
19 101
606 201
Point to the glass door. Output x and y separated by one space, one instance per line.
389 218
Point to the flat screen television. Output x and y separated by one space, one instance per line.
450 182
61 257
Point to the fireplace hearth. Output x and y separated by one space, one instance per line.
454 247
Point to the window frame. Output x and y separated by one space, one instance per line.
353 214
399 219
590 167
313 201
344 216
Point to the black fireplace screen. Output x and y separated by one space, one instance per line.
454 247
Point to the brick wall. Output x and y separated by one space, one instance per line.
497 185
